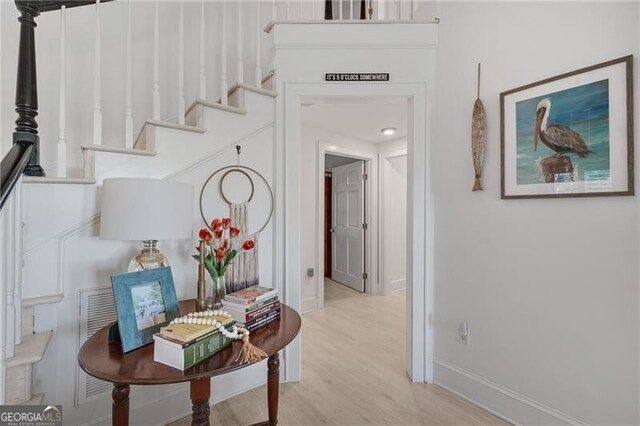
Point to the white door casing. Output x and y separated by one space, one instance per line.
347 239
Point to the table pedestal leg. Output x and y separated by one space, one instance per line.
200 392
273 384
120 407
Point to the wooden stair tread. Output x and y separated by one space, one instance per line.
176 126
42 300
117 150
31 350
217 105
258 90
58 180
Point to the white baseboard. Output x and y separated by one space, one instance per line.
309 304
505 403
396 285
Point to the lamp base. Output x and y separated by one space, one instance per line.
148 258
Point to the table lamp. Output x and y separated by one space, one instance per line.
147 210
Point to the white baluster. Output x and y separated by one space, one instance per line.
288 5
351 9
128 119
17 262
62 102
97 77
274 10
181 106
224 85
340 6
239 36
203 75
258 47
156 64
9 233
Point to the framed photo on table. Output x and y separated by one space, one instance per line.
145 301
570 135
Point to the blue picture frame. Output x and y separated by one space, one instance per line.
145 301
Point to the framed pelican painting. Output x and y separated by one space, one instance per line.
570 135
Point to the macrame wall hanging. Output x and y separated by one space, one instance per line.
244 271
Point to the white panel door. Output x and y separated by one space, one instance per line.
347 239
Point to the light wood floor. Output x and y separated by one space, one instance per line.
353 373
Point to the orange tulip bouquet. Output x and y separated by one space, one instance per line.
218 247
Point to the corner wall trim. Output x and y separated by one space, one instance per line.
503 402
309 304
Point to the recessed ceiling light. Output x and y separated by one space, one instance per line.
389 131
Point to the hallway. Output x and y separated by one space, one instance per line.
355 376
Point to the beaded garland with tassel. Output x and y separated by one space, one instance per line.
248 354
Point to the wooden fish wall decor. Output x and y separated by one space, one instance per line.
478 137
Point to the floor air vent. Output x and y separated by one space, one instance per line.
97 309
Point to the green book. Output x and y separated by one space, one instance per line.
177 356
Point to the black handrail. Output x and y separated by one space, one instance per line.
12 167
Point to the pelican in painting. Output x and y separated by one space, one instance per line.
558 137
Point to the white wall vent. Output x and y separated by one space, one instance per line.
97 309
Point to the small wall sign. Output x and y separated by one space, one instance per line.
366 76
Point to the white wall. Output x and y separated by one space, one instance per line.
393 218
549 287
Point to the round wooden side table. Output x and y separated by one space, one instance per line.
106 361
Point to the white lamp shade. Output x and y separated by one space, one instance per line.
137 209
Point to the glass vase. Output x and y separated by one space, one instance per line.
218 292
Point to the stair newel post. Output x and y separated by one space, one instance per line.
203 75
181 106
27 88
128 115
224 86
258 47
156 63
62 106
97 80
239 37
328 10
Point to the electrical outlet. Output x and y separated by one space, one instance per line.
463 332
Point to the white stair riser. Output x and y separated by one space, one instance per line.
27 320
18 384
236 98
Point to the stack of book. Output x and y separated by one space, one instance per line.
253 307
182 346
